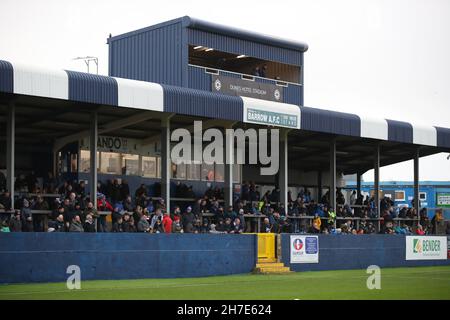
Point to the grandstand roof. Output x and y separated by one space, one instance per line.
42 93
194 23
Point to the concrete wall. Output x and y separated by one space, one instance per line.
356 252
44 257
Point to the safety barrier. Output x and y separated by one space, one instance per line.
356 252
44 257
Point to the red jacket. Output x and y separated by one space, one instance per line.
167 224
106 206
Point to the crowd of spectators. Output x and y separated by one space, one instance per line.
72 210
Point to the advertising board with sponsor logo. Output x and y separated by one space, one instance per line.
426 248
304 249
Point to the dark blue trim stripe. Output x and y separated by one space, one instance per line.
6 77
92 88
330 121
400 131
443 137
202 103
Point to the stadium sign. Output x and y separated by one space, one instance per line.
247 88
426 248
443 199
272 118
304 249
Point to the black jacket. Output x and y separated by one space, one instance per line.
89 227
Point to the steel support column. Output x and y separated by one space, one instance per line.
10 150
283 169
358 184
416 181
165 161
228 165
93 137
376 166
333 175
319 186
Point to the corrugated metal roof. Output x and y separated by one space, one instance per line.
91 88
330 121
202 103
198 24
6 77
443 137
97 89
400 131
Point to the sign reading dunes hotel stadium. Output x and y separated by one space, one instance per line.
304 249
426 248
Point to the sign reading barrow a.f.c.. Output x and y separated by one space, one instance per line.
247 88
272 118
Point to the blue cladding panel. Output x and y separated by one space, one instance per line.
400 131
203 104
44 257
6 77
330 121
153 55
360 252
240 46
198 79
443 137
92 88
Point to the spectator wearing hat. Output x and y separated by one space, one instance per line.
188 220
15 223
102 205
197 227
176 225
205 226
27 217
230 213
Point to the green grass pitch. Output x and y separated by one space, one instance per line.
396 283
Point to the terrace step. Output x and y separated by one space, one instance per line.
270 266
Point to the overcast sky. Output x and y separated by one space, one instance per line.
383 58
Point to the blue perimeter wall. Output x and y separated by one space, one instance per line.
44 257
338 252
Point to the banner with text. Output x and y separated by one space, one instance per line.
247 88
304 249
426 248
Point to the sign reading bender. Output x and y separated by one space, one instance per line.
304 249
426 248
